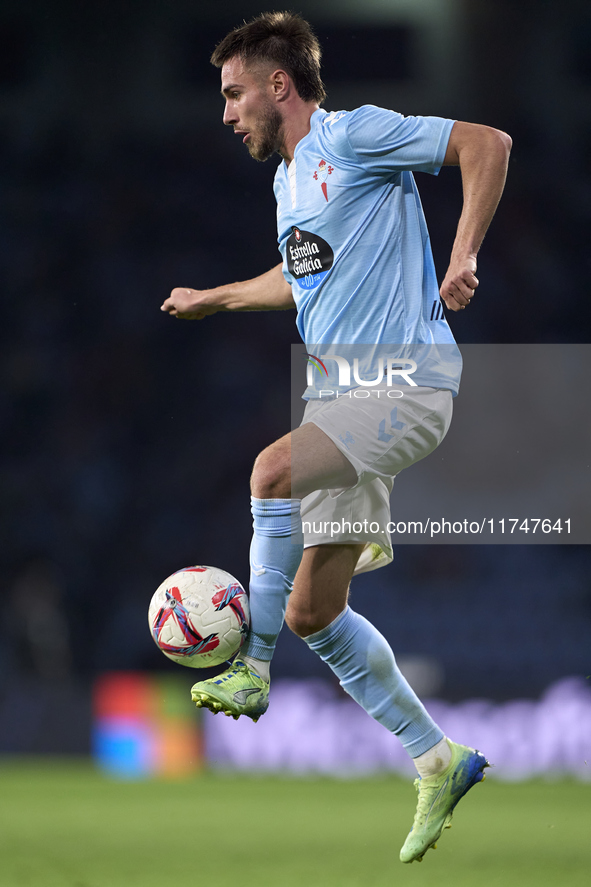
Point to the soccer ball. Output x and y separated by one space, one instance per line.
199 616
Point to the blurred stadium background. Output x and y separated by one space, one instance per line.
127 439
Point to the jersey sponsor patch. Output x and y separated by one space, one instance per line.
309 257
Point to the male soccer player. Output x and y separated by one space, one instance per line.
357 266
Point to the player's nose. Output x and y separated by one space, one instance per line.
230 117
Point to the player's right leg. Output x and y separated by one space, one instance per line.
275 555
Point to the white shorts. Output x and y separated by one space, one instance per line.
380 436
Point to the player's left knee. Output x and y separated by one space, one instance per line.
305 623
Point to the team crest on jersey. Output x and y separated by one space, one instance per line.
321 175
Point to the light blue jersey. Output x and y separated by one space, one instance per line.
356 248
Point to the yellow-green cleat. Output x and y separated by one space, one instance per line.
236 691
438 795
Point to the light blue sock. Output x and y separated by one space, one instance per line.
366 668
275 555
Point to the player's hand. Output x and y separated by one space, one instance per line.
189 304
459 284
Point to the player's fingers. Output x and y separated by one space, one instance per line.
190 315
466 282
454 299
462 292
452 295
463 283
452 304
176 297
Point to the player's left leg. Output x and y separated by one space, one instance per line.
366 667
354 649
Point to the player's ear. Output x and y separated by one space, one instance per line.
280 84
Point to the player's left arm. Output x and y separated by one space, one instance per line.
482 153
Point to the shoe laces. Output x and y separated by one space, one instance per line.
425 799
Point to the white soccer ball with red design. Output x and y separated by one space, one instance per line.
199 616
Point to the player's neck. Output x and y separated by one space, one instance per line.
296 125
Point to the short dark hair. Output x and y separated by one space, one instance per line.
281 38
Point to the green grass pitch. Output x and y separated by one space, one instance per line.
62 824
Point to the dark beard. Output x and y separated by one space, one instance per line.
270 136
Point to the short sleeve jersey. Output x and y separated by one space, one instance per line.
353 236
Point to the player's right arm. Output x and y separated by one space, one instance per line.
267 292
